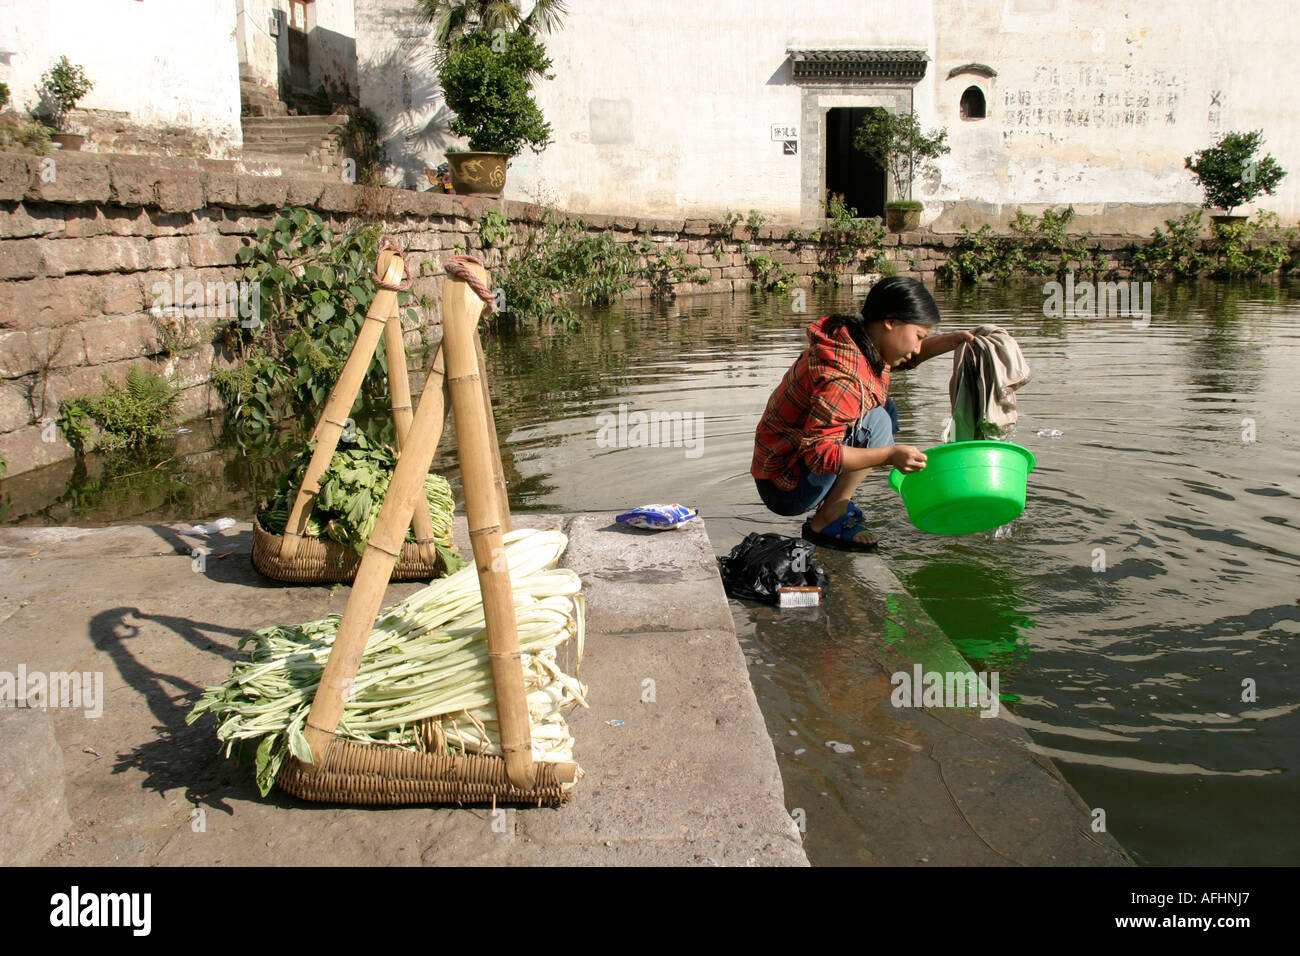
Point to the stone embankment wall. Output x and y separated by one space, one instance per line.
85 240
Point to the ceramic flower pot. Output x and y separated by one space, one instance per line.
902 218
477 174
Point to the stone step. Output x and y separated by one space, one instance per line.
282 145
334 119
272 156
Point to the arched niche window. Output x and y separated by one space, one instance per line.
972 104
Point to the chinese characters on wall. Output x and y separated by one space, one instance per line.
1060 101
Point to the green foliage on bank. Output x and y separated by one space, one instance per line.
1235 250
844 239
129 415
314 286
546 270
1037 246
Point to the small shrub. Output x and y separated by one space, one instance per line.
490 91
666 270
129 415
1037 245
1230 174
315 286
842 241
1175 252
1252 248
61 87
26 136
769 275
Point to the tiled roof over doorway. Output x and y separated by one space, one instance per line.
858 66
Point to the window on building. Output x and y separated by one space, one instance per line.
972 104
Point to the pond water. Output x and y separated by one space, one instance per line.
1143 614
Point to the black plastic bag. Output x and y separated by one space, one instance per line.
762 563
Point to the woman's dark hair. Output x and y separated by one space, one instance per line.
894 297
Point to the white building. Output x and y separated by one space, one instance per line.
178 63
162 63
685 108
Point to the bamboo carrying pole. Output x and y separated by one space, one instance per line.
461 309
399 395
484 506
341 398
498 472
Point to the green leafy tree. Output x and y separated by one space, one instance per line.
450 20
1229 172
487 80
314 287
898 144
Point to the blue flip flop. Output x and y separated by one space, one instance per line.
839 534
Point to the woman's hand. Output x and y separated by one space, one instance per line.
907 458
964 335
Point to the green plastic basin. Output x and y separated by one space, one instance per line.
966 486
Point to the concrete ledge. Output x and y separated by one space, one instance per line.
680 771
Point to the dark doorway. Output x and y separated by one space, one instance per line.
850 172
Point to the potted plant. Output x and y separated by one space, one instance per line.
61 86
487 80
487 56
897 143
1230 174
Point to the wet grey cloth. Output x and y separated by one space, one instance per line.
985 376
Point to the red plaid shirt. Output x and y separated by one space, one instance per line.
829 387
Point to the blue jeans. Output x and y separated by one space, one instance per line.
875 429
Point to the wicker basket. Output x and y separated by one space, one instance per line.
355 772
324 560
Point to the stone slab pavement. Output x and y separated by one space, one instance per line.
683 775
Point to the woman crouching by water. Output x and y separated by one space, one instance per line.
826 425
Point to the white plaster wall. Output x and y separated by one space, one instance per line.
398 85
656 108
666 108
259 52
160 67
1149 72
331 52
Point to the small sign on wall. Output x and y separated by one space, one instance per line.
782 133
791 147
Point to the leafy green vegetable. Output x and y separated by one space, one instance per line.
351 494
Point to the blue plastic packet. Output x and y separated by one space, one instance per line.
657 517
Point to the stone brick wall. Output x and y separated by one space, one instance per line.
84 241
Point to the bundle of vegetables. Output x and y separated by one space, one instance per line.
351 493
424 682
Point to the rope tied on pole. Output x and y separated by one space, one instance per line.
457 268
387 244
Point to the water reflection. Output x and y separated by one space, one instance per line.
981 610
